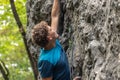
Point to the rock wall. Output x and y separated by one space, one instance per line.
90 34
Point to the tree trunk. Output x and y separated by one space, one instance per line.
4 70
23 33
90 35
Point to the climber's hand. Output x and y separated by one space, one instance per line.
77 78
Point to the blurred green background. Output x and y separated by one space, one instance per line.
12 50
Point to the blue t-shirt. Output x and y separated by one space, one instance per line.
54 63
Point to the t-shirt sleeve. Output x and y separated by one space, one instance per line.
45 68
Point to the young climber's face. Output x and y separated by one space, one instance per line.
52 34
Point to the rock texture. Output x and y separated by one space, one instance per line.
90 34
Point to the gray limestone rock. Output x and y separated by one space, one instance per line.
90 35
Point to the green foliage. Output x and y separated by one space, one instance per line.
12 50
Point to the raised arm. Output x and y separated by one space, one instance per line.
55 14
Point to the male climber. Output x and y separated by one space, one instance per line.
52 62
